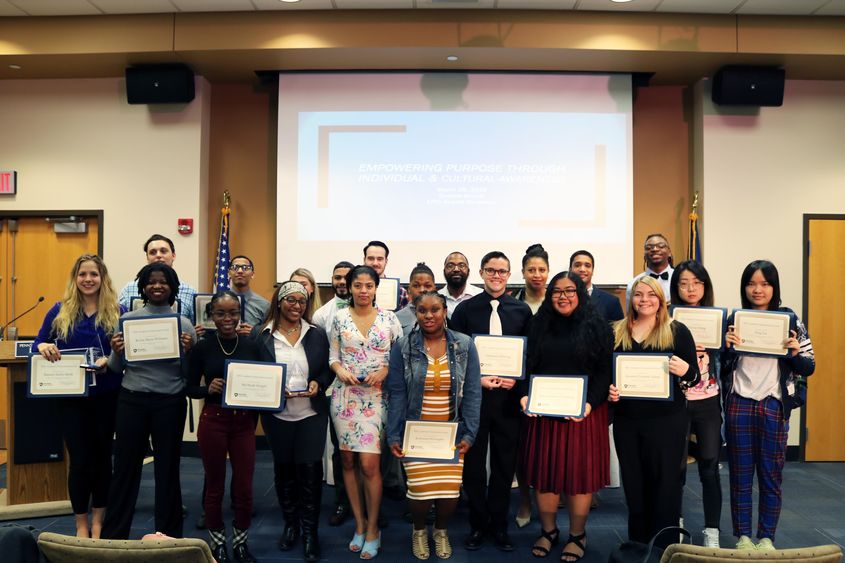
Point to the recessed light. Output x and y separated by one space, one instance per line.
290 1
621 1
452 58
15 67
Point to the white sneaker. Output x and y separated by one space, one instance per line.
765 544
711 537
745 543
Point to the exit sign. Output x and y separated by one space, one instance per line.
8 182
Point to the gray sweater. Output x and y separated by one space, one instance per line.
164 377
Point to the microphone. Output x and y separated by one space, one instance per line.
5 326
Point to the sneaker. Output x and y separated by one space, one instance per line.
765 544
745 543
711 537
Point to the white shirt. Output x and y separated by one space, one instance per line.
452 302
665 284
324 316
757 378
293 355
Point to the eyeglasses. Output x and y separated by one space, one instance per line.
226 314
494 272
692 285
453 266
294 301
569 292
658 246
240 268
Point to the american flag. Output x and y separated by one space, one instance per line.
221 265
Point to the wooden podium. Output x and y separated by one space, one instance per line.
32 489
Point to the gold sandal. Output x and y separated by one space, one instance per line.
419 544
442 547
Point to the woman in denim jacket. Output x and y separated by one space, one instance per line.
434 375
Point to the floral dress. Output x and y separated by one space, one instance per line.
359 411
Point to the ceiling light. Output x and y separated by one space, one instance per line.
15 67
621 1
289 1
452 58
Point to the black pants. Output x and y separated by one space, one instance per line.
139 417
340 496
88 428
705 417
499 426
649 450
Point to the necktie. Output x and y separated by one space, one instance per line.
495 320
663 276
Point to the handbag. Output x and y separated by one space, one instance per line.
638 552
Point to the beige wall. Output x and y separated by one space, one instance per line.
78 145
760 172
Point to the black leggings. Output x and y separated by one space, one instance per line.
88 427
706 423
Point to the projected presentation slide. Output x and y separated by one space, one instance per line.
516 159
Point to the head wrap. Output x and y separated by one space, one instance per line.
289 287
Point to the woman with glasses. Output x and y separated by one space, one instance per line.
569 456
86 317
297 434
361 337
224 432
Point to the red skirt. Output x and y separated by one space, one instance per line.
564 457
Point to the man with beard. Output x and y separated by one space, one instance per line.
324 316
658 260
375 256
456 272
241 272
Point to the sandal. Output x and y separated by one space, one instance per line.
552 537
419 544
357 543
371 547
579 543
442 547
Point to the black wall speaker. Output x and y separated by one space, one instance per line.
159 84
38 431
737 85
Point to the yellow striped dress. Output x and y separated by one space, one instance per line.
429 480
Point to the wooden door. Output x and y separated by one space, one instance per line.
825 315
37 261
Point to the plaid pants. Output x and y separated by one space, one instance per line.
756 436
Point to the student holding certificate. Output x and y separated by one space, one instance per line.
650 435
151 405
760 393
435 376
224 432
297 434
567 456
86 317
361 338
691 287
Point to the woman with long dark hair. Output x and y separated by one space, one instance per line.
760 393
86 317
568 456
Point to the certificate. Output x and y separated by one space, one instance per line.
762 332
254 385
501 356
557 395
643 376
387 294
62 378
136 302
200 318
707 324
153 338
430 441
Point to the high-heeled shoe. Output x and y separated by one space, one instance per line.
371 548
357 542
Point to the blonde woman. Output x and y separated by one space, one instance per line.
86 317
306 278
650 435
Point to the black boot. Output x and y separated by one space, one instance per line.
285 478
311 492
220 554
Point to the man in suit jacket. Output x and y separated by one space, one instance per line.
582 263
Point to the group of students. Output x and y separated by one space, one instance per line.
380 368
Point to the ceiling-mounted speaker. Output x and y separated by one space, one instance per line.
745 85
159 84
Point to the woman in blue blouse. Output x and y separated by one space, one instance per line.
86 317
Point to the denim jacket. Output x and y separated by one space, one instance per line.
406 383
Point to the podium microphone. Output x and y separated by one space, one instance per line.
4 327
